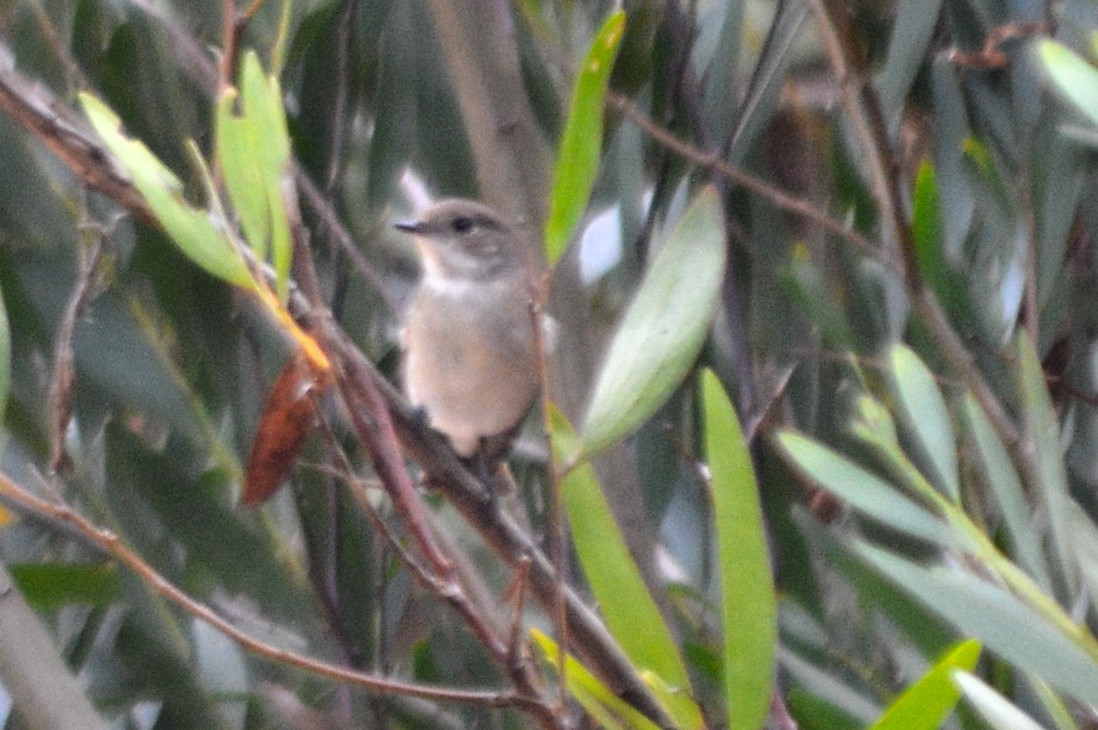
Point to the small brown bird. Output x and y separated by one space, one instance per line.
470 354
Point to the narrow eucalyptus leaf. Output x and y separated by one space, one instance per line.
51 586
1042 429
599 700
1084 542
924 411
236 151
999 712
267 117
865 491
1071 76
911 32
1002 622
1006 489
748 604
190 228
630 611
928 702
663 329
580 147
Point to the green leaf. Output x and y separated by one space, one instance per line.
236 150
578 159
865 491
927 230
997 710
748 604
1006 489
924 410
911 32
191 229
928 702
1003 623
817 298
1042 430
721 84
609 710
1084 543
50 586
663 329
254 150
1075 79
630 612
926 224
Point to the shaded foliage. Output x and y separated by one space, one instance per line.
899 194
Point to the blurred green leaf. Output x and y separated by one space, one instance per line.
628 607
1004 624
817 298
236 150
50 586
254 149
865 491
663 329
928 231
873 424
580 146
1084 544
780 51
721 84
748 604
1006 489
928 702
595 697
911 32
1042 431
190 228
390 143
924 410
1074 79
980 159
997 710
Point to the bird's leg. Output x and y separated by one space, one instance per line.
420 417
483 469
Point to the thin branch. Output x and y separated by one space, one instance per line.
776 196
40 113
555 507
251 11
63 376
325 212
110 543
233 24
87 158
373 422
864 116
465 492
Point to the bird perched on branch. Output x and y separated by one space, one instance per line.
470 346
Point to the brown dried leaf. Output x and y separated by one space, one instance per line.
288 417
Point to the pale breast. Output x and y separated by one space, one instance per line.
470 365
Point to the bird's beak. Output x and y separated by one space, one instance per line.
408 226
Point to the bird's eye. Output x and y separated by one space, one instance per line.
462 224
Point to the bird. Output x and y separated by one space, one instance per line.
471 359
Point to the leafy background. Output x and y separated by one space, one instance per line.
906 325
